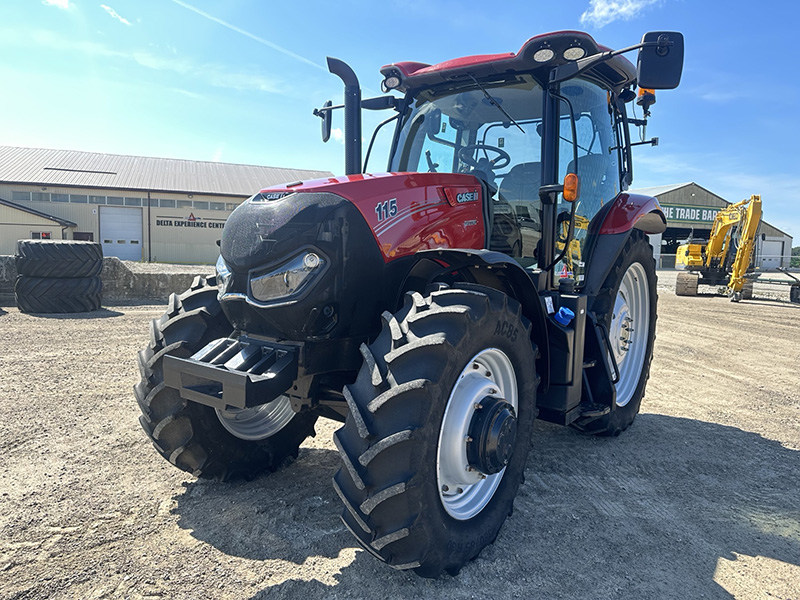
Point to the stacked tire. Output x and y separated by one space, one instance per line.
58 276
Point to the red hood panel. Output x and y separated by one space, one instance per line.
408 212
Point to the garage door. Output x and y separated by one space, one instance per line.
771 254
121 232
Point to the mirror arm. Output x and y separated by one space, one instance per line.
573 69
319 112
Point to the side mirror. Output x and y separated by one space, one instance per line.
327 118
660 62
434 122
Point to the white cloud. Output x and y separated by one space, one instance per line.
603 12
114 14
62 4
217 155
338 135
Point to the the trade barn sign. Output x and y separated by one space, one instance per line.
190 222
679 213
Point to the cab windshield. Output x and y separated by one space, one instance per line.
499 140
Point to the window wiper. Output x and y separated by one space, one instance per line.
494 102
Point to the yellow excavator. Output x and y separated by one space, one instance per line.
572 257
725 259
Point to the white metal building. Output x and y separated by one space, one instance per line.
139 208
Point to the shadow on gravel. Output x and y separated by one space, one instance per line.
289 515
102 313
660 512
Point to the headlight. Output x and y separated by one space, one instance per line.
223 275
289 279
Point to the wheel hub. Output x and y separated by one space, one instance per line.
477 435
492 434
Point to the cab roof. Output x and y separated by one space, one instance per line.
617 72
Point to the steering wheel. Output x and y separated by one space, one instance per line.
465 156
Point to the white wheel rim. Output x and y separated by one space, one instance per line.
630 329
465 492
258 422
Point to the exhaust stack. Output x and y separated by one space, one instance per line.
352 115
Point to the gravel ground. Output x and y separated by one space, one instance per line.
698 499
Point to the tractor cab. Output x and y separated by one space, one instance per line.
520 123
496 132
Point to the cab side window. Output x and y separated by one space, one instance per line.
597 166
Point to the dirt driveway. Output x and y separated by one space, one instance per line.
699 499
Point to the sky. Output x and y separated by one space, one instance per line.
237 81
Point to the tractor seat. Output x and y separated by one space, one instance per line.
520 188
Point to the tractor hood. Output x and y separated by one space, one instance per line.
406 212
312 252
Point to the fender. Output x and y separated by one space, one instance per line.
610 229
489 269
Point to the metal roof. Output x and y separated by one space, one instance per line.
661 189
38 213
39 166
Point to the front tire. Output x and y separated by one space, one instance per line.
195 438
434 447
626 305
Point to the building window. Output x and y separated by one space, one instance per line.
201 205
97 199
115 200
78 198
230 206
83 236
133 201
217 206
59 197
20 196
153 201
184 204
40 235
40 196
167 203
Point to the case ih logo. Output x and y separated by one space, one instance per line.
467 197
271 196
459 195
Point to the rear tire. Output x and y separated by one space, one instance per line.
626 305
190 435
64 258
58 295
409 498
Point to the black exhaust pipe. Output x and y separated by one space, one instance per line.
352 115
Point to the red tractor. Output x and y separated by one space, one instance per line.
436 309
